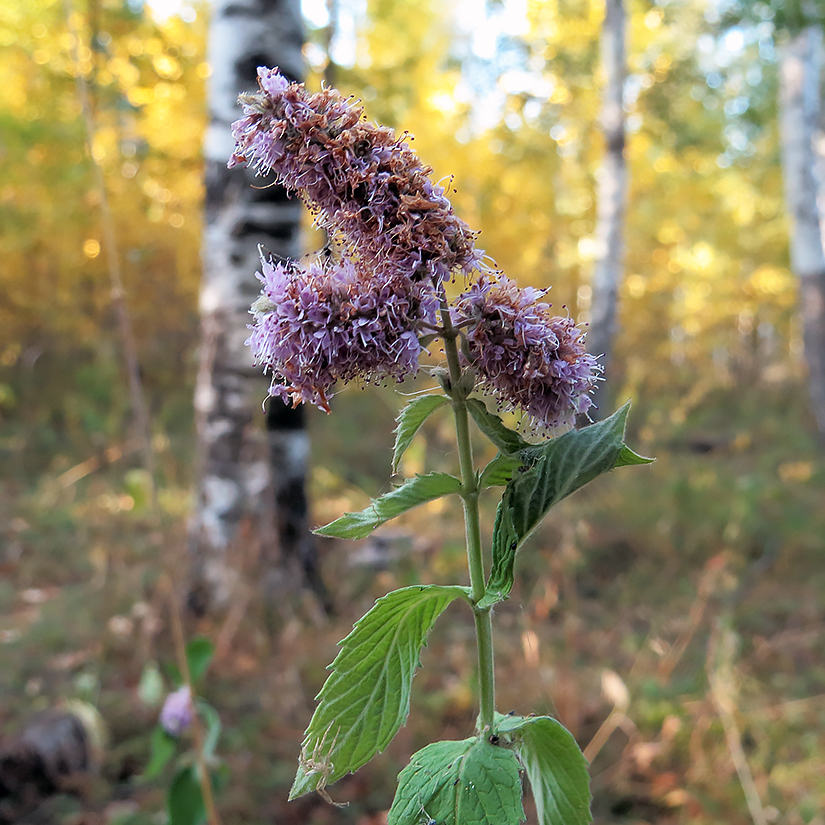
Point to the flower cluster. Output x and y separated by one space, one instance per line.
359 179
524 355
176 713
329 322
360 317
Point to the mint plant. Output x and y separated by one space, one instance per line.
194 761
368 314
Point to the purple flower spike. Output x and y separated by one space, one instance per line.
176 714
524 355
359 179
332 322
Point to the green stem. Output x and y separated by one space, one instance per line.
472 527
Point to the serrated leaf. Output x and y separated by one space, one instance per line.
551 472
366 697
470 782
555 768
198 656
430 769
507 440
499 472
410 494
410 421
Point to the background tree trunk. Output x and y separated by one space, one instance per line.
799 109
612 194
252 509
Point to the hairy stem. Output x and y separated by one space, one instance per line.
472 527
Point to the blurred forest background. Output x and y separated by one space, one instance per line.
671 616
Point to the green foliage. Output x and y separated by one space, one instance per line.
366 698
554 765
548 473
199 652
410 494
212 721
185 799
470 782
410 420
151 689
507 440
162 749
499 471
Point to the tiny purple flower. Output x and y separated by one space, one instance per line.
332 322
360 179
524 355
176 714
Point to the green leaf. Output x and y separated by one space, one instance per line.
410 420
550 472
162 748
411 493
555 767
505 545
507 440
627 458
185 800
173 673
198 656
499 471
151 689
213 727
366 698
470 782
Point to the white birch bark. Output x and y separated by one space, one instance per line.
799 110
251 501
611 198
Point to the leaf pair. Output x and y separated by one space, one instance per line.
475 782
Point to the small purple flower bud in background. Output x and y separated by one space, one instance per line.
176 713
525 356
359 179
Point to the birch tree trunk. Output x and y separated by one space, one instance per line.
251 510
612 194
799 109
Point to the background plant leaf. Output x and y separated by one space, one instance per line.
162 748
499 472
410 420
185 800
507 440
410 494
212 722
199 653
550 472
366 698
555 767
469 782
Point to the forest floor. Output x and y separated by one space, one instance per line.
671 616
